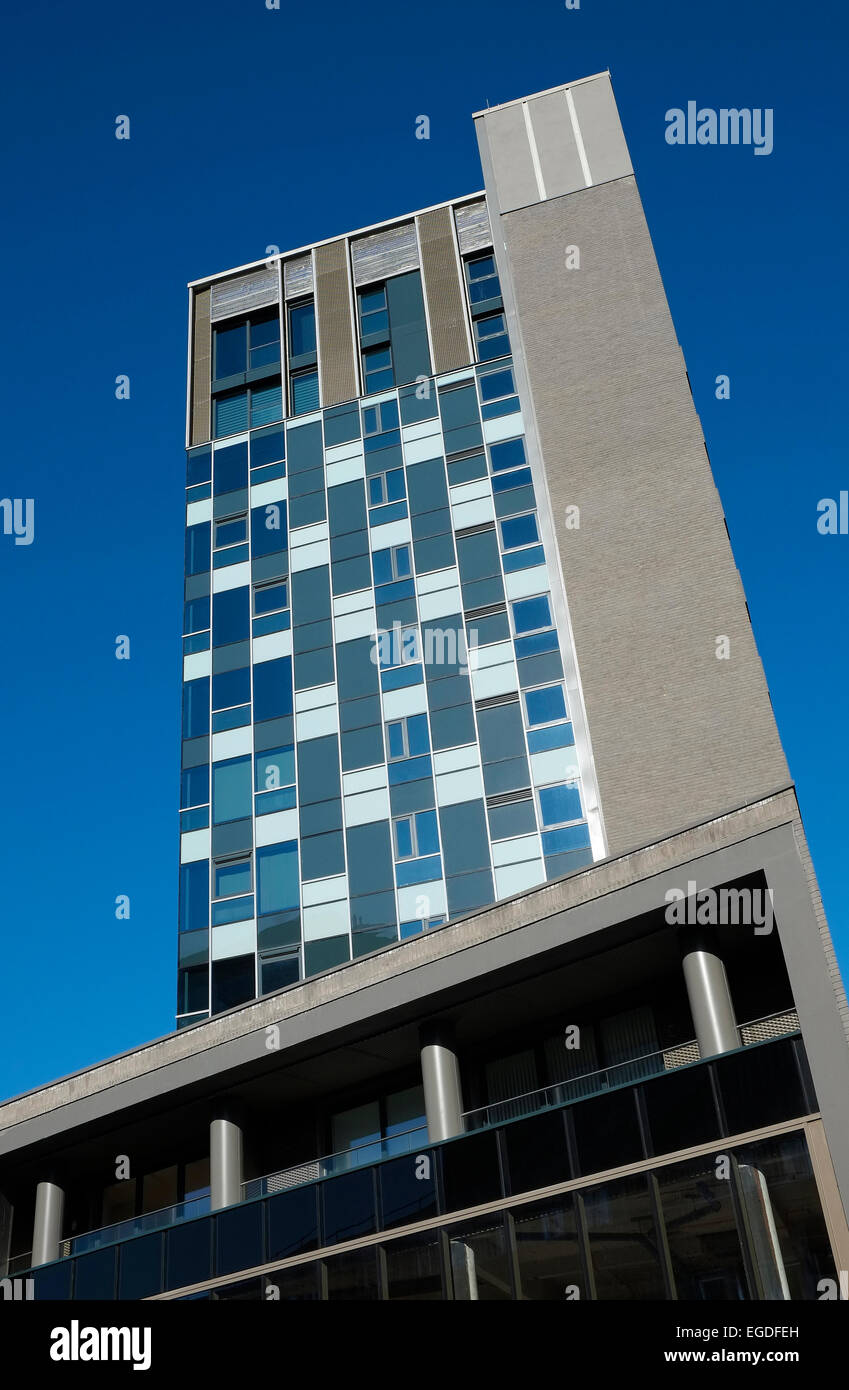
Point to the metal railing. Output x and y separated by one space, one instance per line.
651 1064
329 1165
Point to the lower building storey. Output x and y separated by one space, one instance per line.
588 1092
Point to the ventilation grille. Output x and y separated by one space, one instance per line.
473 229
683 1056
765 1028
297 277
243 294
385 253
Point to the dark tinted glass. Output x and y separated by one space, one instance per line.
292 1223
246 1291
414 1268
53 1281
95 1274
140 1267
353 1277
548 1250
701 1231
623 1241
407 1189
607 1132
536 1152
232 982
349 1206
681 1110
479 1260
188 1254
298 1285
238 1238
470 1171
780 1195
760 1086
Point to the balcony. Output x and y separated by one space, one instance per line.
672 1105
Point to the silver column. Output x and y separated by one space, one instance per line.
225 1163
47 1227
441 1079
708 993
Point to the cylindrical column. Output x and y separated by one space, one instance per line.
225 1162
47 1227
708 993
441 1079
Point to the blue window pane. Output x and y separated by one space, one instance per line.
375 491
519 530
231 468
382 564
497 384
481 267
510 453
268 447
395 485
232 910
196 615
231 532
282 800
376 323
231 414
231 688
402 562
417 734
231 790
404 838
198 466
272 688
544 706
277 877
304 392
371 300
275 768
396 739
194 786
559 804
196 707
427 835
377 357
302 329
232 879
266 405
231 347
269 528
234 718
197 548
194 895
270 599
231 616
531 614
524 559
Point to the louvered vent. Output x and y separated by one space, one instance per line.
473 230
385 253
297 277
246 292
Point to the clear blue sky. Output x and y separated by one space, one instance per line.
252 127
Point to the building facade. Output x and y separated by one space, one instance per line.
503 971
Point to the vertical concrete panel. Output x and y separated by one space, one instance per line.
444 292
512 164
339 377
200 430
601 131
555 141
